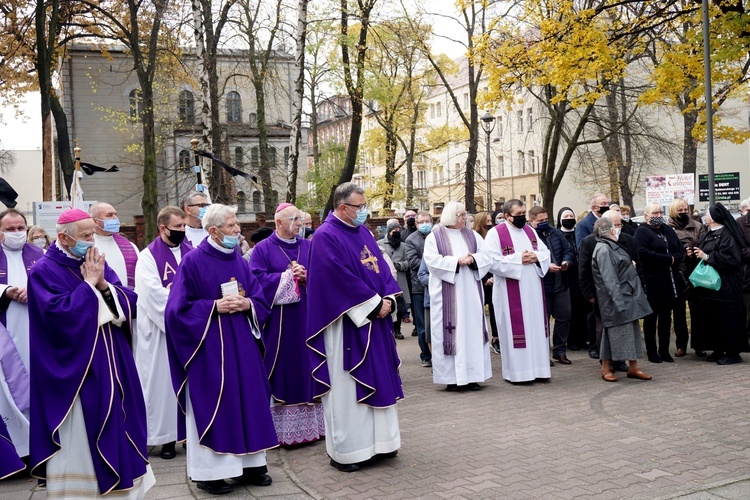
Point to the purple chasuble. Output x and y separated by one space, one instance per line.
217 354
514 289
287 358
9 461
30 254
15 373
346 270
166 264
130 256
73 357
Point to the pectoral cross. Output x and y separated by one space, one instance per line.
508 250
369 260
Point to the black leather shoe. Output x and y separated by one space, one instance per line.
594 353
399 335
390 454
729 360
573 347
666 357
451 388
255 479
473 386
344 467
715 356
562 359
218 487
654 358
167 451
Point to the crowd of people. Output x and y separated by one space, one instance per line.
234 347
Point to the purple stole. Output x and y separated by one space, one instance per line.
448 290
166 264
514 289
128 253
30 254
14 371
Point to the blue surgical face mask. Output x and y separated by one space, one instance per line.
425 228
361 217
543 227
79 250
230 241
202 212
111 225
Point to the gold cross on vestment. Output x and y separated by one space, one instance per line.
369 260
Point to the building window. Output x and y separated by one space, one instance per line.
439 109
253 120
523 199
136 103
256 201
184 160
272 157
532 161
499 126
241 202
466 100
529 118
421 179
255 157
432 111
238 157
187 107
234 107
521 161
519 118
501 165
286 158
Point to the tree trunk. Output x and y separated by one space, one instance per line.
627 165
299 93
689 144
64 154
149 200
47 177
204 72
391 144
264 171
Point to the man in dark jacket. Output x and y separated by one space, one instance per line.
599 205
588 289
744 224
556 289
414 248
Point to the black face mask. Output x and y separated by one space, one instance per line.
519 221
568 223
683 218
176 237
602 210
412 223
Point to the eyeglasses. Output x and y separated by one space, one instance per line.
295 219
363 206
200 205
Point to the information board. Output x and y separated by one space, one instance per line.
726 186
47 212
662 189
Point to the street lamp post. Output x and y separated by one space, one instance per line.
488 125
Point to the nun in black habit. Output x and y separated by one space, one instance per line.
720 322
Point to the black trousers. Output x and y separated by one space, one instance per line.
664 320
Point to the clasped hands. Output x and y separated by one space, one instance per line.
16 293
300 273
232 304
92 268
528 257
466 260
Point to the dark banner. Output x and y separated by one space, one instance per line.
726 186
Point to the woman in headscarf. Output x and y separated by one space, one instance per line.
660 251
689 232
577 339
719 324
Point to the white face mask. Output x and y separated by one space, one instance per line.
40 242
617 231
15 240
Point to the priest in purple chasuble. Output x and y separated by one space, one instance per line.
154 273
10 463
457 260
16 258
350 303
214 316
520 261
280 263
88 418
122 254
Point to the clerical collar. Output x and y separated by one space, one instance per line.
219 247
193 228
68 254
98 236
276 233
342 220
716 228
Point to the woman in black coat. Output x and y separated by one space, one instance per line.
578 337
720 318
660 251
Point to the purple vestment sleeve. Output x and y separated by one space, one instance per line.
346 270
287 359
9 461
73 357
217 356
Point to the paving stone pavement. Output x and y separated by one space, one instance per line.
685 434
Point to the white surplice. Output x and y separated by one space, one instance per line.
150 350
531 362
113 256
195 235
354 432
472 360
17 324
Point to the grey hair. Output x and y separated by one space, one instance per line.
597 195
344 191
745 203
603 226
70 228
450 213
94 208
188 199
611 214
217 214
424 212
392 224
511 204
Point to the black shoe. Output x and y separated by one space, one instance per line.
414 333
344 467
167 451
594 353
729 360
619 366
666 357
451 388
399 335
654 358
562 359
573 347
218 487
715 356
495 346
473 386
391 454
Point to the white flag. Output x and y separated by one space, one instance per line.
76 193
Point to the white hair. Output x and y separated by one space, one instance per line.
70 228
603 226
611 214
217 214
450 213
